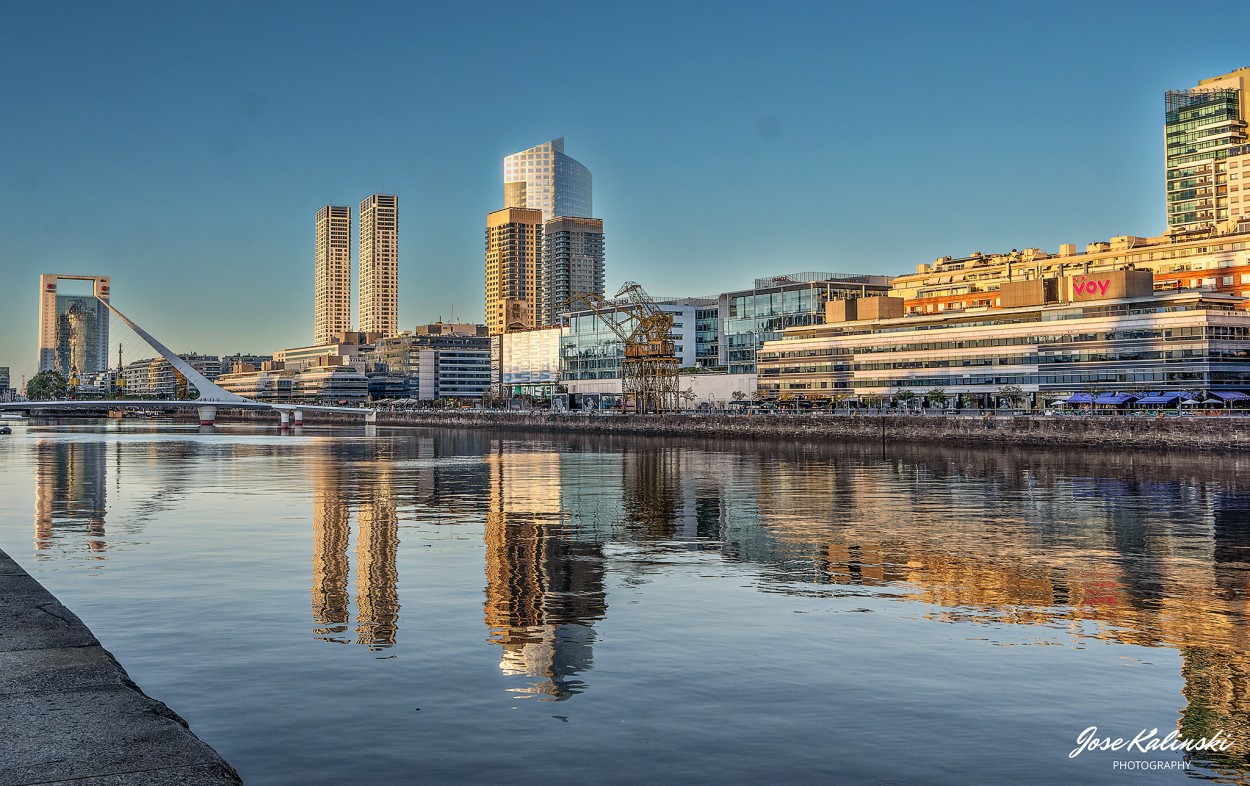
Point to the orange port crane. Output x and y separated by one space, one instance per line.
650 369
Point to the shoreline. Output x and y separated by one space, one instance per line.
1194 433
1084 432
71 713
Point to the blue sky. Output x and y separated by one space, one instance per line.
184 148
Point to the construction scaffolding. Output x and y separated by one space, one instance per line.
650 369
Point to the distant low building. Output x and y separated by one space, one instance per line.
436 361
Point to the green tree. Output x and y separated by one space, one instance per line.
904 397
936 397
46 386
1012 394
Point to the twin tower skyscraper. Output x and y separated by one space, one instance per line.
543 247
379 269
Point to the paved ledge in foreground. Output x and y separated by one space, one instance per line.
70 714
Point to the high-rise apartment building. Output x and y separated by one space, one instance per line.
544 178
1203 127
571 263
379 265
333 298
73 329
513 251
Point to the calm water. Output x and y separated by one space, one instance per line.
335 607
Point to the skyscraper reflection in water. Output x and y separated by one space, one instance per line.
70 495
377 547
544 587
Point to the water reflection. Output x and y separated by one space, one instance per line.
70 493
1084 548
544 586
338 487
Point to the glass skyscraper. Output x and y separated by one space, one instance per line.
73 329
1203 127
544 178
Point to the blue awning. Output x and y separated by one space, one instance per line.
1229 395
1165 398
1115 398
1079 398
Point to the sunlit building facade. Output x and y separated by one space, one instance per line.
1053 337
333 273
379 265
513 251
544 178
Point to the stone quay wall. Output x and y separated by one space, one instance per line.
1196 432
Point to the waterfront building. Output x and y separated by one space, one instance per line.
73 329
327 379
331 380
153 377
1203 126
437 361
5 384
571 263
1105 332
333 273
513 251
379 265
749 317
1218 261
528 362
267 382
544 178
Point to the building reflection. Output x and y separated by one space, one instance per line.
544 585
330 565
371 495
1099 554
70 493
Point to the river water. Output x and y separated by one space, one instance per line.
343 606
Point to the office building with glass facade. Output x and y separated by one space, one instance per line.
750 317
544 178
529 362
589 349
73 328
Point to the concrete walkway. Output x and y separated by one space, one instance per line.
70 714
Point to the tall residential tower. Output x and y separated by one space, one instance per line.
379 265
572 263
333 304
1204 127
513 251
544 178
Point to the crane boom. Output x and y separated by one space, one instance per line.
650 368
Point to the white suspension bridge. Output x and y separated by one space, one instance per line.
212 397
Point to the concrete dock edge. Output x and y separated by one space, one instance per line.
69 713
